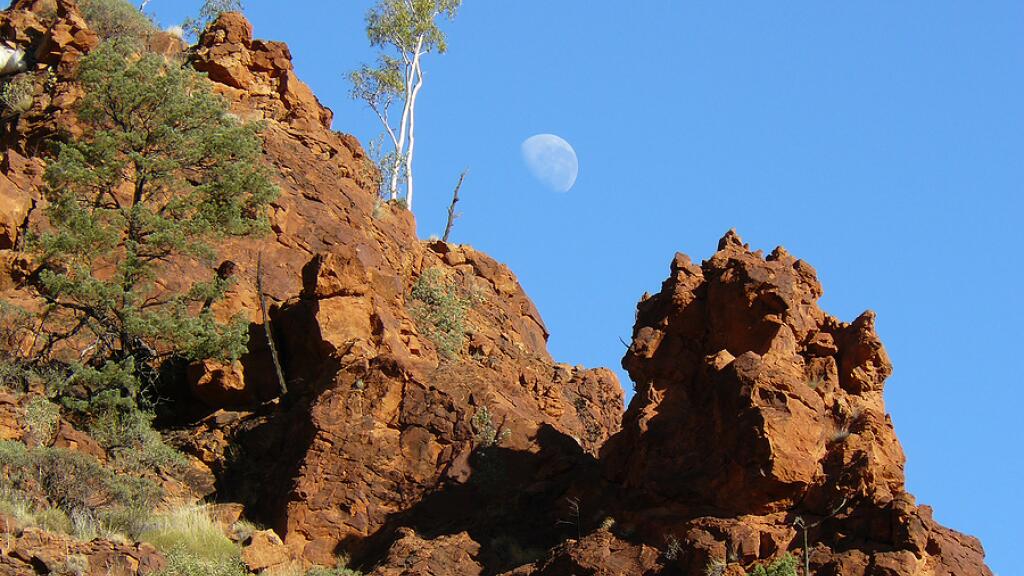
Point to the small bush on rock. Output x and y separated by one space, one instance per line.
785 566
440 311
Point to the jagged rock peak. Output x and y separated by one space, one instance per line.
753 408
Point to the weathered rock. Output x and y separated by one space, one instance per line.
754 408
598 554
265 550
34 551
220 384
411 555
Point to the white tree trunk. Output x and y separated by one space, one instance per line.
412 129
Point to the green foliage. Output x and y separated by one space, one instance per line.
405 23
127 433
17 94
673 549
53 520
784 566
440 311
162 171
116 19
208 13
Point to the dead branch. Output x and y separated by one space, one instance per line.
266 324
452 216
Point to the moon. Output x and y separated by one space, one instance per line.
552 161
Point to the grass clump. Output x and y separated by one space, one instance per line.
182 563
338 571
439 309
190 533
784 566
116 19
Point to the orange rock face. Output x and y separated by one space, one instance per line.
755 414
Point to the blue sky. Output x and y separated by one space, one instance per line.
882 142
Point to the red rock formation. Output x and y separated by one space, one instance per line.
376 419
754 409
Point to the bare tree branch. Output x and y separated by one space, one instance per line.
452 216
266 324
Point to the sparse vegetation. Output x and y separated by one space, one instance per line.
784 566
715 567
116 19
404 31
839 433
814 382
673 549
487 435
183 563
340 570
208 13
82 497
440 309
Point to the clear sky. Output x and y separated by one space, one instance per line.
883 142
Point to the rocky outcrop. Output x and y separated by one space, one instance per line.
757 414
378 427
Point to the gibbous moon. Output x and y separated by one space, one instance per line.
552 161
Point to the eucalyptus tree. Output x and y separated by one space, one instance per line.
404 31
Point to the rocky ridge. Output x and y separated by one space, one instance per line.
753 408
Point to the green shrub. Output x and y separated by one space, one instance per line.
53 519
126 432
440 311
784 566
116 19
